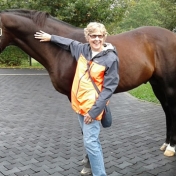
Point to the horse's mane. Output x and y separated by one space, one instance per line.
38 17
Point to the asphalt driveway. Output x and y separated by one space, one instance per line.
40 134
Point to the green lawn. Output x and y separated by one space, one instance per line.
144 92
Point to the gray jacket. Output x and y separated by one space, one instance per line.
107 58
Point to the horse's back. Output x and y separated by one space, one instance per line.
141 35
143 53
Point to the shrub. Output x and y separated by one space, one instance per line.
12 56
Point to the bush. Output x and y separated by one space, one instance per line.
12 56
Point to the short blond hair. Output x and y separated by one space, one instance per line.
92 27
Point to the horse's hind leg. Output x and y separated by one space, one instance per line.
171 99
166 93
159 93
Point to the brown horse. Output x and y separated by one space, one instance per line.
146 54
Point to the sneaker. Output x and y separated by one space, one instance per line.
86 171
85 160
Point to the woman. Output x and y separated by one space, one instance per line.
100 60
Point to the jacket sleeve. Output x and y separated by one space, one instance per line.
73 46
111 80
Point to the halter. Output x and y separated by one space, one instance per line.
0 28
0 34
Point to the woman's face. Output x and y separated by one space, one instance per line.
96 40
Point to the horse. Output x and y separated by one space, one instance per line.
146 54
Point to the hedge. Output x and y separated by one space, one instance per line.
12 56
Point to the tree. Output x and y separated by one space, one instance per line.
82 12
76 12
117 15
142 13
168 19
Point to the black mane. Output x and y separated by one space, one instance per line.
37 16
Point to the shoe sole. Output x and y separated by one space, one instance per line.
87 174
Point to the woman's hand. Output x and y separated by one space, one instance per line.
42 36
87 118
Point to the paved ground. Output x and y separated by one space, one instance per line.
40 135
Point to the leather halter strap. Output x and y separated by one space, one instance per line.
0 27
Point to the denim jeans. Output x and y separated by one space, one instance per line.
92 145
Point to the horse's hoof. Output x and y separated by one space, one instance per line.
163 147
169 153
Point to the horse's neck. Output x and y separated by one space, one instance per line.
44 52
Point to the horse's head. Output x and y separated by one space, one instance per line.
17 25
4 37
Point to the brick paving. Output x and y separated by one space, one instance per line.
40 134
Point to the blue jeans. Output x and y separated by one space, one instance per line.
92 145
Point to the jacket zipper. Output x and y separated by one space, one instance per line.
79 83
82 77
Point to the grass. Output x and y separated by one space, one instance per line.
144 92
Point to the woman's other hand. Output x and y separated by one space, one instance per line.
87 119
